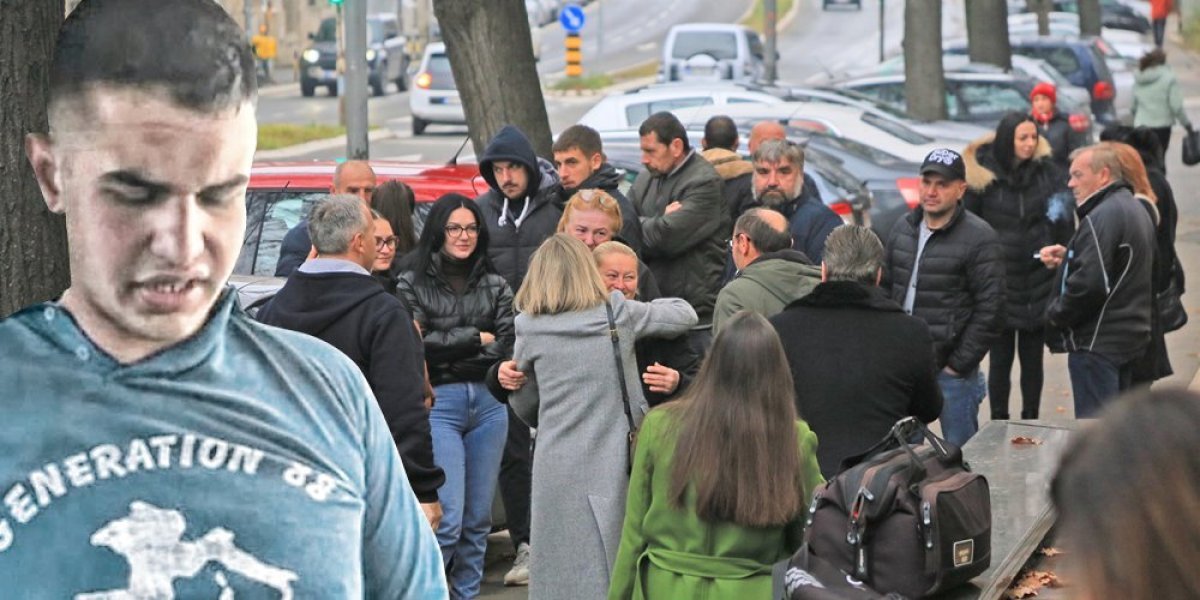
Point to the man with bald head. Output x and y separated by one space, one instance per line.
763 131
353 177
770 274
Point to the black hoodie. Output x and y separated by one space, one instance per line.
510 246
354 314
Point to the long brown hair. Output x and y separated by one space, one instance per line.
1133 169
737 442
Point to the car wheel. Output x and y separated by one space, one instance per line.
332 91
378 87
419 125
401 85
307 89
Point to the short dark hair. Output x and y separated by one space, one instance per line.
720 132
579 136
1152 58
666 127
190 48
764 237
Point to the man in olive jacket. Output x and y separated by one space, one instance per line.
684 218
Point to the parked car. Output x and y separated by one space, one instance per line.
942 130
855 4
1127 43
434 97
627 110
712 52
387 61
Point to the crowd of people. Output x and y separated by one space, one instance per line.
656 384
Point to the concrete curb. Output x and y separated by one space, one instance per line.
318 145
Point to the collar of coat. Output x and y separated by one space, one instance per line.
729 164
914 218
979 177
835 294
1102 194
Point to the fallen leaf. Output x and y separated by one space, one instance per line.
1024 440
1050 551
1028 584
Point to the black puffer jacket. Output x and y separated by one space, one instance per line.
960 284
1029 208
1063 140
451 323
1105 298
510 246
607 178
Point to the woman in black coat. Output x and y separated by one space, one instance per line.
1014 185
465 312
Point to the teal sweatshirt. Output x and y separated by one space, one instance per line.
1157 101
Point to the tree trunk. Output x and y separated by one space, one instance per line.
1042 8
924 78
987 32
491 55
33 241
1089 17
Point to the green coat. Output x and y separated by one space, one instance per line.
1157 100
667 553
766 286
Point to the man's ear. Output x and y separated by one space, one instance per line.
677 146
878 276
40 150
824 277
597 160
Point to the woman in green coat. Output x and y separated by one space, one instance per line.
712 502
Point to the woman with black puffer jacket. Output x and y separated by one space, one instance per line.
1014 185
465 312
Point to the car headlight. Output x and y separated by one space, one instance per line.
311 56
370 55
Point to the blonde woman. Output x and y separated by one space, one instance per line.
594 218
573 395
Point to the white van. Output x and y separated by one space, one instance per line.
712 52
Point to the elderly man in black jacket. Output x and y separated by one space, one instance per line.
945 266
859 363
335 298
1101 313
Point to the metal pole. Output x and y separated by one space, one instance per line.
599 29
248 17
769 18
881 30
356 79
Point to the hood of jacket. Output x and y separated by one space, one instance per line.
1152 75
510 144
841 294
729 164
311 302
787 275
605 178
981 164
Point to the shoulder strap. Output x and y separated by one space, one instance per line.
616 342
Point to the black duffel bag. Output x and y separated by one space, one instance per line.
904 518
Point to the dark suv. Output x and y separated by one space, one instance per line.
387 61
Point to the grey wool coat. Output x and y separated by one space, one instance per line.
573 398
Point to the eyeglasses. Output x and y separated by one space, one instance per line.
733 239
456 230
390 242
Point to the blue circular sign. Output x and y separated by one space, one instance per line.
571 17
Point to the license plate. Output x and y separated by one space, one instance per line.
699 71
445 100
330 74
315 72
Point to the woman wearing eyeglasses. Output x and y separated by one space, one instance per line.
465 312
385 252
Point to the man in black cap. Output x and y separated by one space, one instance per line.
945 266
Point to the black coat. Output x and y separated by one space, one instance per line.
1029 210
354 314
859 365
1063 140
960 284
451 323
1105 300
676 353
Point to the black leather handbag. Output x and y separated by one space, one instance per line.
1191 147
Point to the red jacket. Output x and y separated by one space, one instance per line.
1159 9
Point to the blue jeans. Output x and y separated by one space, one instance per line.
961 397
1095 380
469 428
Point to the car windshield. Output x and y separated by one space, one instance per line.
895 129
986 98
327 32
874 155
439 70
721 46
375 31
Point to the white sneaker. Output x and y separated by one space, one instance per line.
519 573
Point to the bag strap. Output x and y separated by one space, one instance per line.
616 343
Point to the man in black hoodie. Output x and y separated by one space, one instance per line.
335 298
579 159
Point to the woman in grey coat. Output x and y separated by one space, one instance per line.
572 396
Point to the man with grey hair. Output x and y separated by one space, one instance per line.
779 184
859 363
1101 315
353 177
771 274
335 298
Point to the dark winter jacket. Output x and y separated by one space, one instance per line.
1103 294
676 353
960 284
509 246
769 283
293 249
859 365
607 178
737 175
685 249
451 323
811 222
354 314
1062 139
1029 209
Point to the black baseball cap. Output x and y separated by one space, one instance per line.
945 162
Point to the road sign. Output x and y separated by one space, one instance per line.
571 18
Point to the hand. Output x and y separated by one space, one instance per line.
951 372
1052 256
433 513
510 378
660 379
486 338
672 207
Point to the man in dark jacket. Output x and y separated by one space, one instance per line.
859 363
1101 313
335 298
1053 125
684 219
780 184
579 159
945 266
720 148
354 177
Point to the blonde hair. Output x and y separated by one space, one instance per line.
1133 169
592 199
562 277
609 248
